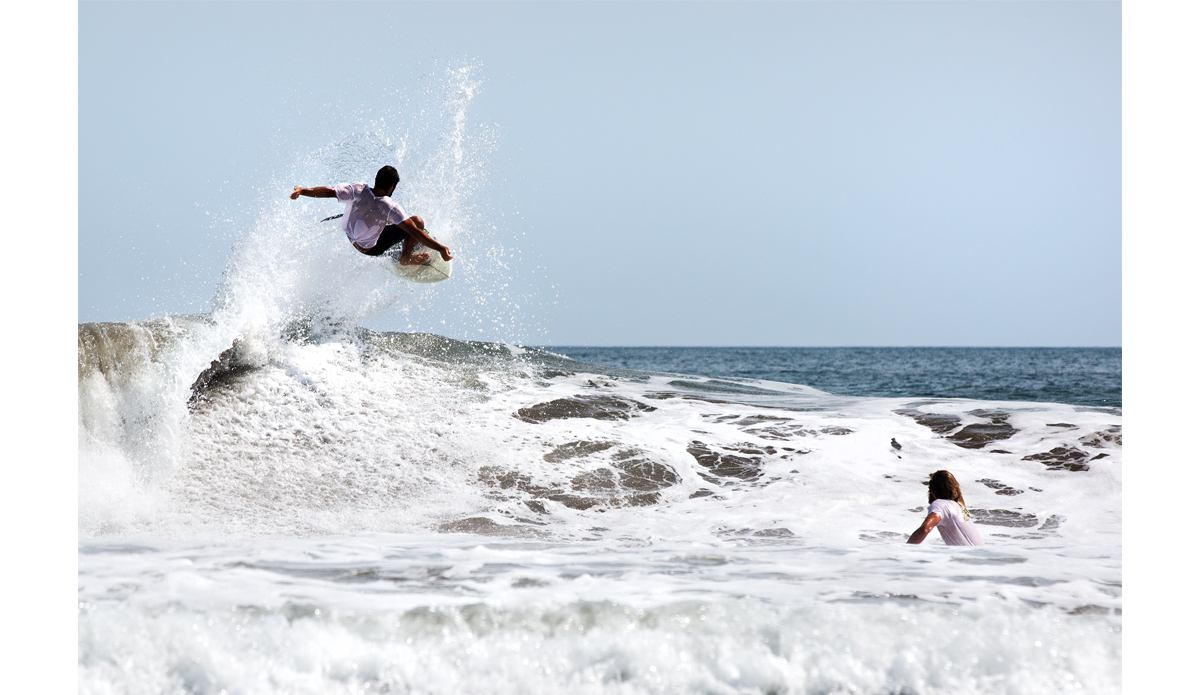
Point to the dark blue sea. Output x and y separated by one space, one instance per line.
1077 376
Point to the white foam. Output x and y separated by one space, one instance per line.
440 614
728 647
285 478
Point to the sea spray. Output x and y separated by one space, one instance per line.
289 279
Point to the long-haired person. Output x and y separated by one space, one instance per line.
948 512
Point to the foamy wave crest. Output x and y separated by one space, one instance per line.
310 432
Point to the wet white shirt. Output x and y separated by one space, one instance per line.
366 215
955 527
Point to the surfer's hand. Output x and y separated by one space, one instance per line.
295 192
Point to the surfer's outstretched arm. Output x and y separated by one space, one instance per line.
314 192
415 227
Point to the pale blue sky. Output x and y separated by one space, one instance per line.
673 173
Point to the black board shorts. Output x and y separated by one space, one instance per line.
389 237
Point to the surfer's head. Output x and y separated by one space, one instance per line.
387 178
943 486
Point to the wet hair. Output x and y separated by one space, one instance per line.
387 177
943 486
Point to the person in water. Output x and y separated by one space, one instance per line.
374 222
948 512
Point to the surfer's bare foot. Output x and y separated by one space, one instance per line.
415 259
446 254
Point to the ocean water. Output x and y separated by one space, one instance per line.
273 499
1080 376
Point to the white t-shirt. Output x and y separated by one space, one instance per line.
366 215
955 527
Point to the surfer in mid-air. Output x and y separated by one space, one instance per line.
374 222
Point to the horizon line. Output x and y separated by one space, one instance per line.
845 347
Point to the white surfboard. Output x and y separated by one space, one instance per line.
433 270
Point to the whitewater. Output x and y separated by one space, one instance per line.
275 499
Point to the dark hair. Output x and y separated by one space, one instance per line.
943 486
387 177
